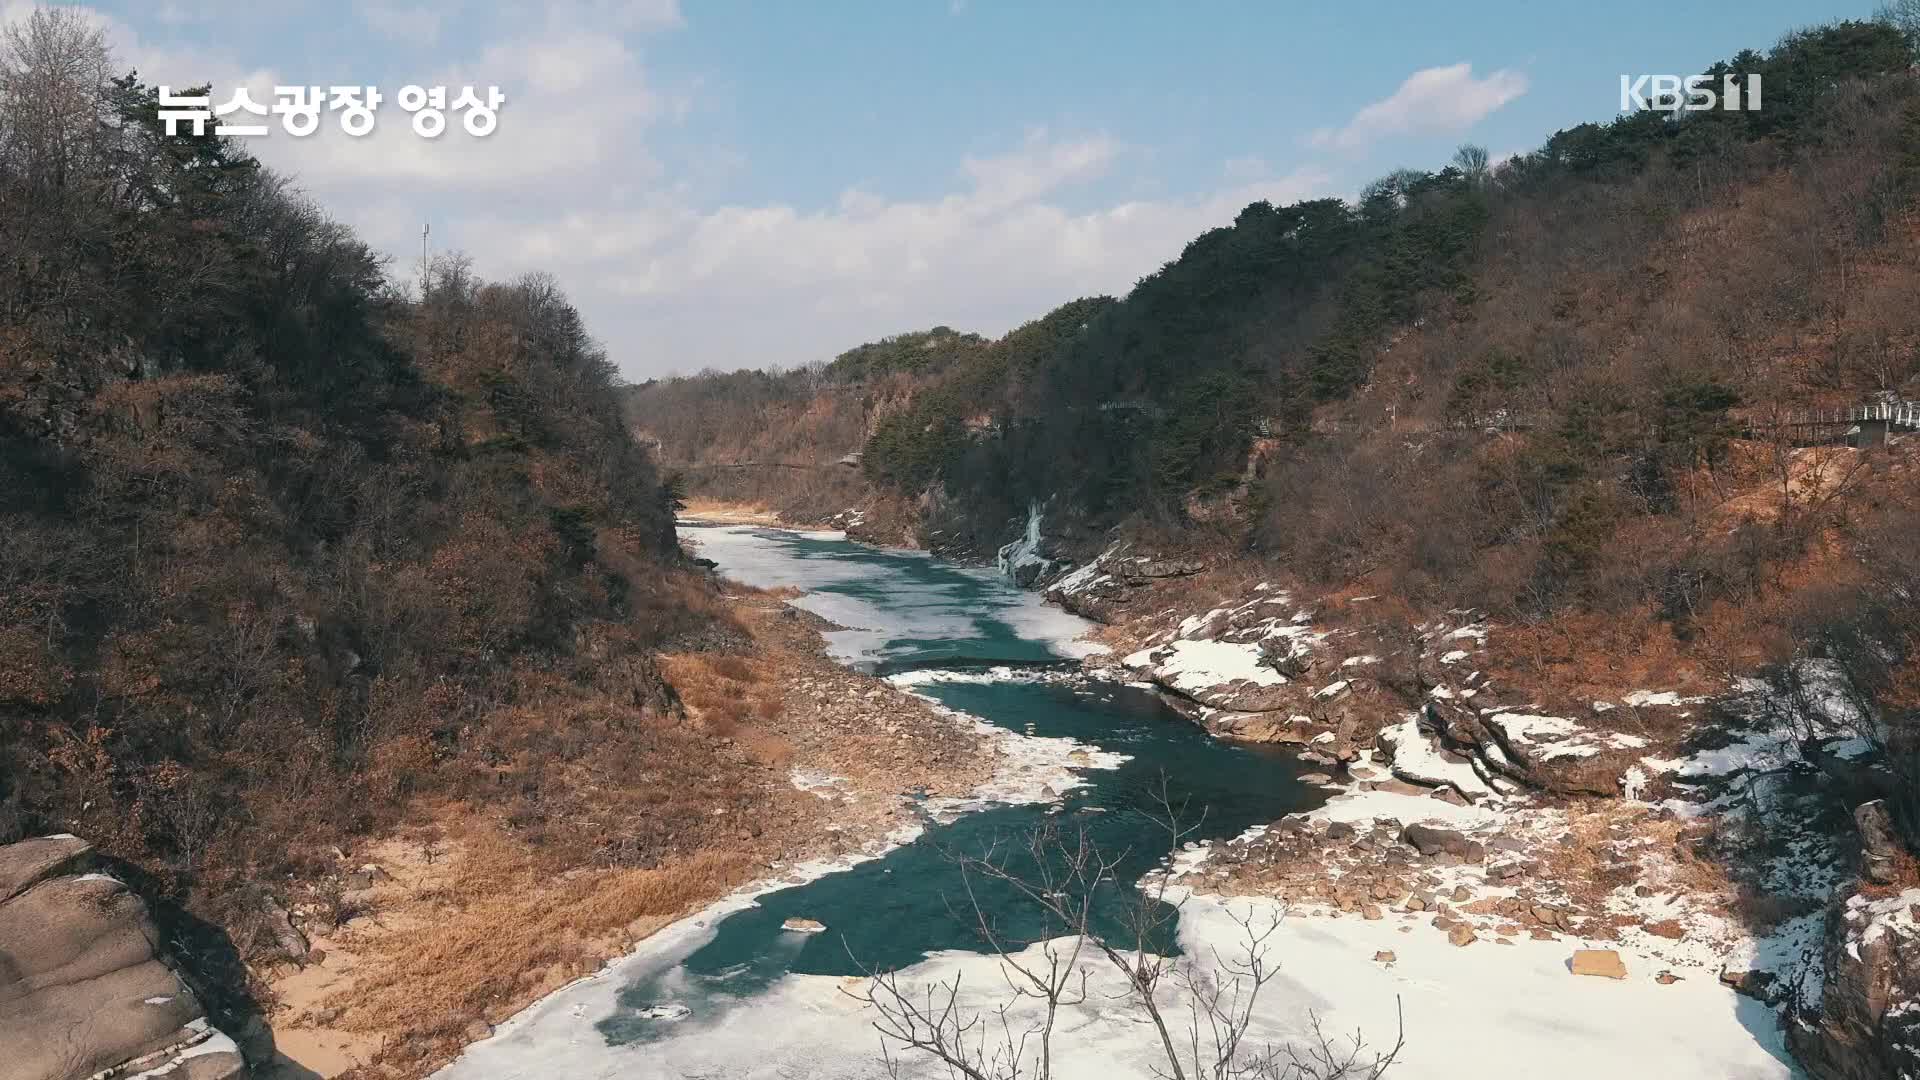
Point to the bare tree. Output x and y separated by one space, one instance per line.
1201 1014
54 71
1474 161
1904 16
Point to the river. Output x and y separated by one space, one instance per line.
728 993
974 643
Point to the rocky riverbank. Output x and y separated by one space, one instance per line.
1666 824
1698 830
424 941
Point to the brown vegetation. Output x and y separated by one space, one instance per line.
587 838
296 555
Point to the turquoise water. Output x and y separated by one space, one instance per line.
904 611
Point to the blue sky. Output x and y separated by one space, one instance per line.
752 184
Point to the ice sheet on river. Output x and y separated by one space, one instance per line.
1486 1011
892 596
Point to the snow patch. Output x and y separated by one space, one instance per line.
819 782
1416 759
1198 665
1550 738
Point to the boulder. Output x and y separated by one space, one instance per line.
1433 840
1393 785
83 987
1461 934
804 926
1758 985
29 862
271 933
366 877
1604 963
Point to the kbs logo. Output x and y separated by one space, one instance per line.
1694 93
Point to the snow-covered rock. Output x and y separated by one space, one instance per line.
1416 760
1863 1021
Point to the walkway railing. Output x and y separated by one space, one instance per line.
1898 414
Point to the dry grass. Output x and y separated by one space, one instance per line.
725 694
1590 869
501 932
773 751
724 511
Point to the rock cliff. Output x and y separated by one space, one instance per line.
86 989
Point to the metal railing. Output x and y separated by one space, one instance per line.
1897 414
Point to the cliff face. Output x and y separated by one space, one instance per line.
1861 1022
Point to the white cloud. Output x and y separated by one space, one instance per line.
1037 167
640 15
1432 101
410 23
576 104
677 288
1245 168
569 183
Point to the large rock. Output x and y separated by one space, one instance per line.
1863 1022
1432 840
84 989
1605 963
29 862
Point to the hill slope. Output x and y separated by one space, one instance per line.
292 556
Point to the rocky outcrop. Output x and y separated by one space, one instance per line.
1106 589
1864 1023
1879 844
85 989
1432 840
1546 753
1862 1018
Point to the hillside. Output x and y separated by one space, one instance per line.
1530 444
792 439
312 564
1574 345
1560 389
